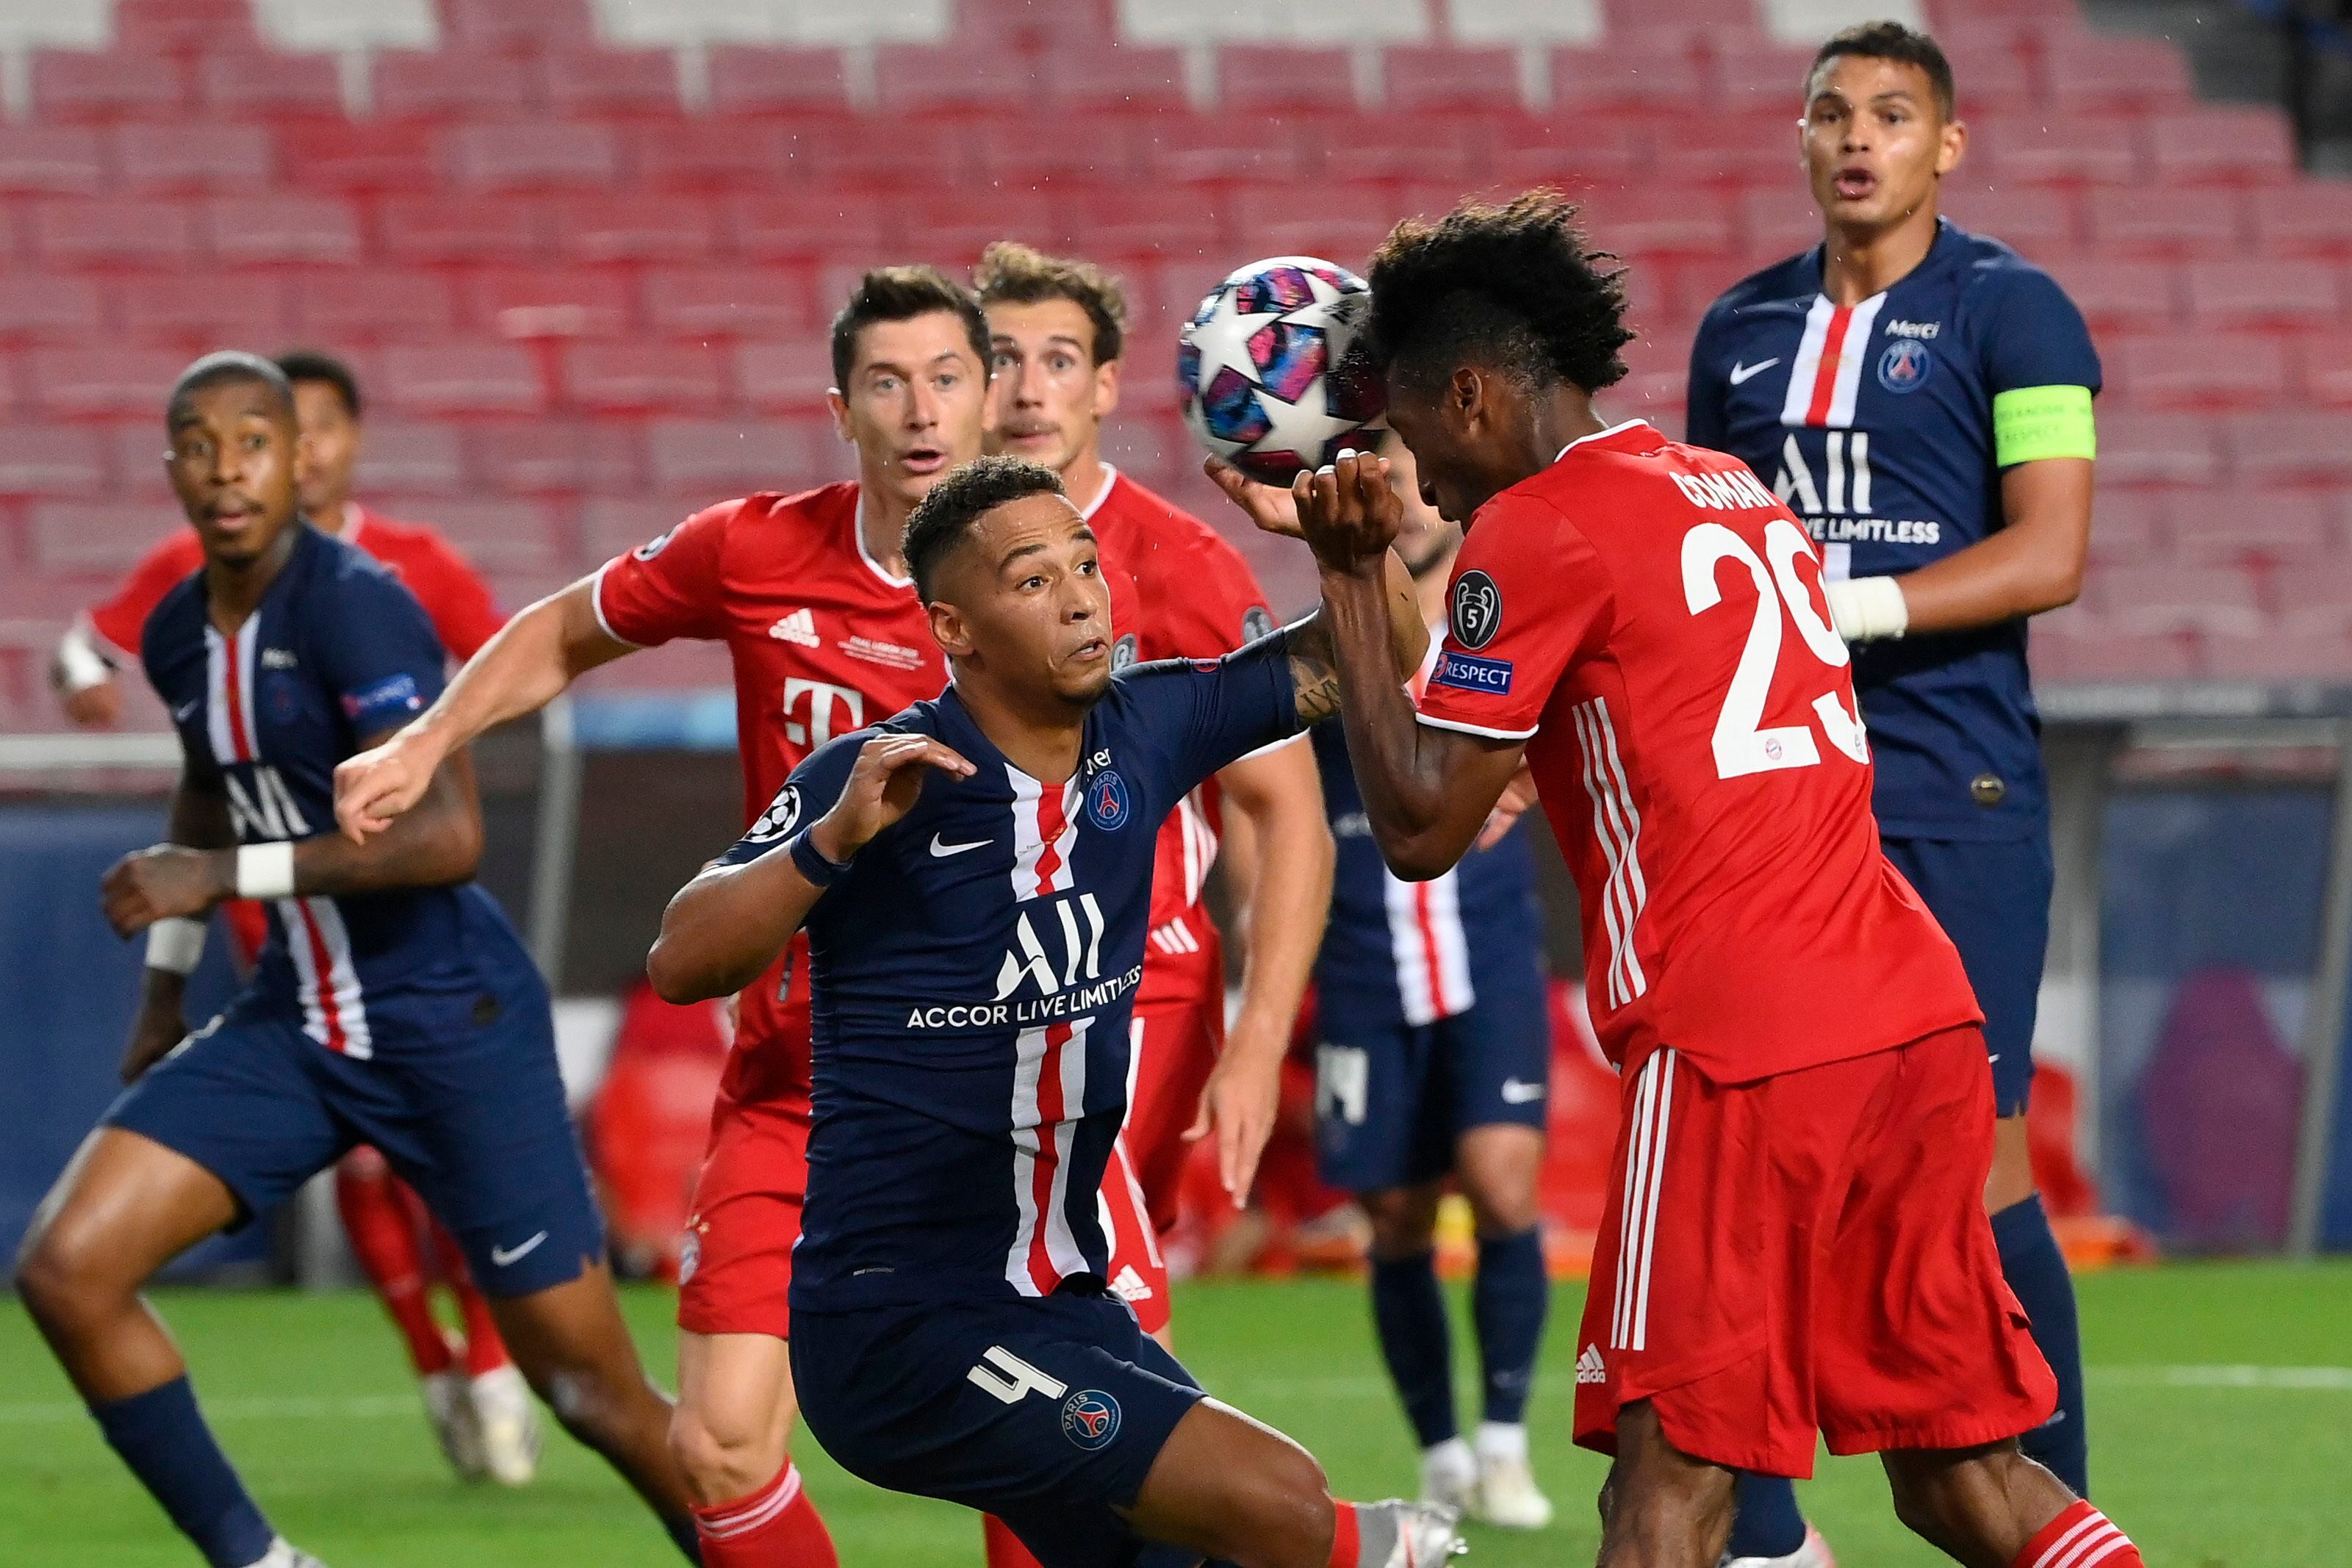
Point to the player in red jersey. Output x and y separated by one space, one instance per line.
1057 328
1646 623
811 595
479 1403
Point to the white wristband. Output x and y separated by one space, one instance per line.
80 666
265 871
1865 608
174 944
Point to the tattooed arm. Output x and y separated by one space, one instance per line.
1314 657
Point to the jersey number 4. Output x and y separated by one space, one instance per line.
1743 744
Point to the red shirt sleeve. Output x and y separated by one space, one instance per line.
1529 597
464 613
119 619
1214 604
668 587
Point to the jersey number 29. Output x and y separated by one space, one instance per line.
1743 746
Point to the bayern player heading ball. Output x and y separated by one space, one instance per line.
1269 373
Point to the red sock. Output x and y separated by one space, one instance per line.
775 1526
1004 1549
1345 1542
385 1245
485 1349
2081 1537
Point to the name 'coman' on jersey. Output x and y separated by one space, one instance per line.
1650 619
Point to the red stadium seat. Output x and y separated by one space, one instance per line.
537 303
282 228
1226 146
1426 148
513 23
559 455
186 153
51 158
600 80
647 375
1281 80
2287 445
343 156
2215 142
2239 526
459 377
51 305
54 459
82 381
745 80
2169 597
183 26
137 457
844 220
1761 79
1565 149
412 456
2123 294
1777 220
928 78
2315 601
2192 224
1759 150
2310 217
526 155
2128 524
2273 291
736 455
789 377
250 80
1439 76
645 227
1119 222
610 524
2073 646
1342 222
729 300
2197 370
471 229
416 84
334 306
1641 218
1643 74
1006 150
1104 74
705 155
2277 653
68 230
249 307
505 535
97 537
2036 149
2083 69
73 85
2325 359
2045 222
2157 449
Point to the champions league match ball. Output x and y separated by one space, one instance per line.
1269 373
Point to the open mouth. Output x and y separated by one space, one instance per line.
1088 651
1854 183
923 459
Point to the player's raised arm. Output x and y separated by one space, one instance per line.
534 657
725 927
199 820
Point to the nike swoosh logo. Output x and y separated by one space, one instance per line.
503 1255
942 849
1740 373
185 711
1515 1092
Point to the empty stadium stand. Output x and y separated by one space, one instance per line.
583 253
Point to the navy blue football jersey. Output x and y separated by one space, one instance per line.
1414 952
1875 424
338 652
971 976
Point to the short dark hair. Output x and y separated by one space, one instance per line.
965 494
1890 41
901 294
1012 273
309 364
228 365
1512 287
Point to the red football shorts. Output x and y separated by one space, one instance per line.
1137 1275
1807 1252
1176 1044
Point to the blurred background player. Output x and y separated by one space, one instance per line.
392 1003
1433 1058
1921 397
811 597
481 1410
1057 329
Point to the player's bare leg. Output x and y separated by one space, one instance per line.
125 1206
1994 1507
575 1350
1661 1508
732 1436
1237 1491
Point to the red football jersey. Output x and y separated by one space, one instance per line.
1650 619
1197 598
824 642
454 595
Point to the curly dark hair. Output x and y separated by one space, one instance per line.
1012 273
1514 287
901 294
965 494
1890 41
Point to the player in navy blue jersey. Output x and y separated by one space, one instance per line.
1433 1057
393 1003
974 876
1921 397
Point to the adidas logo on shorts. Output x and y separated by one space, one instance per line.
1589 1368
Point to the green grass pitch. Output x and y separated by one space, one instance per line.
2208 1445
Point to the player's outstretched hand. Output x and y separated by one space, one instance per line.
373 786
149 885
1348 512
160 1025
1271 510
884 784
1238 1104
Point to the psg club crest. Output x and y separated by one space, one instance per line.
1106 806
1478 612
1090 1419
1904 366
1124 653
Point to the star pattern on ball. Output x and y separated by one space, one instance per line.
1256 366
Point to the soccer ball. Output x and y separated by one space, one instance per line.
1269 372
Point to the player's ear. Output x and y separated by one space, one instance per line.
1107 389
840 408
948 629
1954 148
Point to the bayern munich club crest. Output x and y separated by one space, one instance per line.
1905 366
1107 803
1090 1419
1477 609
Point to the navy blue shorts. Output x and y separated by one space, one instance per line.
1992 899
1047 1413
476 1122
1393 1098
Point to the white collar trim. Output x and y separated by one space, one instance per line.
1110 483
1599 435
857 531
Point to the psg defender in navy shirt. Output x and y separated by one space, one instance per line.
393 1003
1921 397
975 875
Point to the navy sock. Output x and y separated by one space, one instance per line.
164 1440
1508 1303
1768 1523
1409 1311
2036 1271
